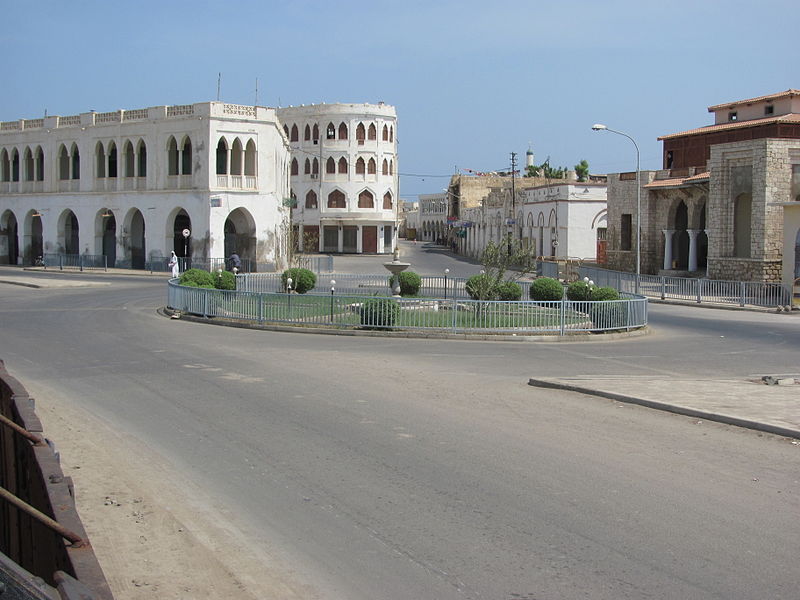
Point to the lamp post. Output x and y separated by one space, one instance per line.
219 277
333 287
601 127
289 294
446 271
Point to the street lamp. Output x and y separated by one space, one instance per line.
601 127
289 294
446 271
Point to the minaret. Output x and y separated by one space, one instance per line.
529 157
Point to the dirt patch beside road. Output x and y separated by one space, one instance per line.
154 533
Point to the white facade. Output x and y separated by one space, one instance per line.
344 176
125 184
566 220
432 217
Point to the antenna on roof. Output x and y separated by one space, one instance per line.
219 84
256 103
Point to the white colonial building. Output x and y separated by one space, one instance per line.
560 220
126 184
432 217
343 176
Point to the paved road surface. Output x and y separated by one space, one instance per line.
430 469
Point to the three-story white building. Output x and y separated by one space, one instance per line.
343 176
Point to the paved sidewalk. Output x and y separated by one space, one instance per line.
743 402
56 278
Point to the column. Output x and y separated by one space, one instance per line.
708 251
667 248
693 233
359 240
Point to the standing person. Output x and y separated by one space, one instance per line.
236 262
173 264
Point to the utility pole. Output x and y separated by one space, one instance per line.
511 223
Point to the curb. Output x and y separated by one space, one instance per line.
540 339
673 408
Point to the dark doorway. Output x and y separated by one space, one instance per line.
369 238
71 237
137 241
182 245
681 239
12 239
110 239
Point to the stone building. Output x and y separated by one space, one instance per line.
343 176
432 217
716 208
127 184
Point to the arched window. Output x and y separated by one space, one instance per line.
307 167
372 134
343 165
128 160
5 164
294 135
236 157
315 167
285 130
76 162
361 132
39 164
372 167
360 166
307 133
222 157
330 165
250 159
311 199
63 163
331 132
28 165
101 161
342 131
295 169
385 167
315 132
391 134
391 167
742 211
112 160
186 157
15 165
366 200
172 157
387 201
336 199
142 159
385 133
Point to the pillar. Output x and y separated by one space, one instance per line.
693 233
667 248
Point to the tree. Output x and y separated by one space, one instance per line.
506 260
582 170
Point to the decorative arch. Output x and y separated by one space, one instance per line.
141 157
9 230
311 200
128 160
385 167
307 133
330 165
343 166
307 167
361 132
361 166
33 240
15 165
172 156
134 240
39 164
68 232
342 131
64 163
385 135
294 135
337 199
372 132
315 167
237 154
112 159
27 164
186 156
5 166
366 199
176 222
372 167
295 169
105 235
222 156
600 219
250 159
315 132
387 201
240 234
330 131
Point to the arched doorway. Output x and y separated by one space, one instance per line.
33 248
9 230
106 235
69 238
181 244
135 241
240 235
681 237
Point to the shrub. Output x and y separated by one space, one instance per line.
604 312
303 280
379 313
197 278
481 287
546 289
578 291
509 291
601 294
410 283
225 281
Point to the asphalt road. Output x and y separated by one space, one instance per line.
409 469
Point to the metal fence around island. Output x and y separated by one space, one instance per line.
75 261
741 293
430 314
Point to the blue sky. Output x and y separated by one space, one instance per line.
472 80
